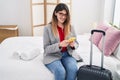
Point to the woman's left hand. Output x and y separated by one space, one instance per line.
72 44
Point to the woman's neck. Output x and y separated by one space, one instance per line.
61 25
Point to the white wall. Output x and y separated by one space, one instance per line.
16 12
108 10
116 20
85 13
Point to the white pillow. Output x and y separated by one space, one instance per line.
27 53
117 52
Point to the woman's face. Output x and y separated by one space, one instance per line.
61 16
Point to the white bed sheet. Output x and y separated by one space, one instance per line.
15 69
12 68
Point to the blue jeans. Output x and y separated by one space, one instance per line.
64 69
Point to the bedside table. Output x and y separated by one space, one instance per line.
8 31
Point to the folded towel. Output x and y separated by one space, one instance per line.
27 53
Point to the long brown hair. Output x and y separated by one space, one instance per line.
60 7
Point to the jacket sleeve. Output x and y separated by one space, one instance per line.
73 34
72 51
48 47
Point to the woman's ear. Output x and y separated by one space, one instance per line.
55 13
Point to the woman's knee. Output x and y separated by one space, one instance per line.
72 69
71 65
60 72
57 69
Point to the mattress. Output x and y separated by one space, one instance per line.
12 68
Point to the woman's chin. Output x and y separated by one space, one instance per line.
62 21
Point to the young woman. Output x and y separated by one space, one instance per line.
59 52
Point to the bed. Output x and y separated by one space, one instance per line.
14 68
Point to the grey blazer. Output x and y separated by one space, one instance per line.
51 48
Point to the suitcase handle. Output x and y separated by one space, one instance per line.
100 31
91 50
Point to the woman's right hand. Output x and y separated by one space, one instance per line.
64 43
